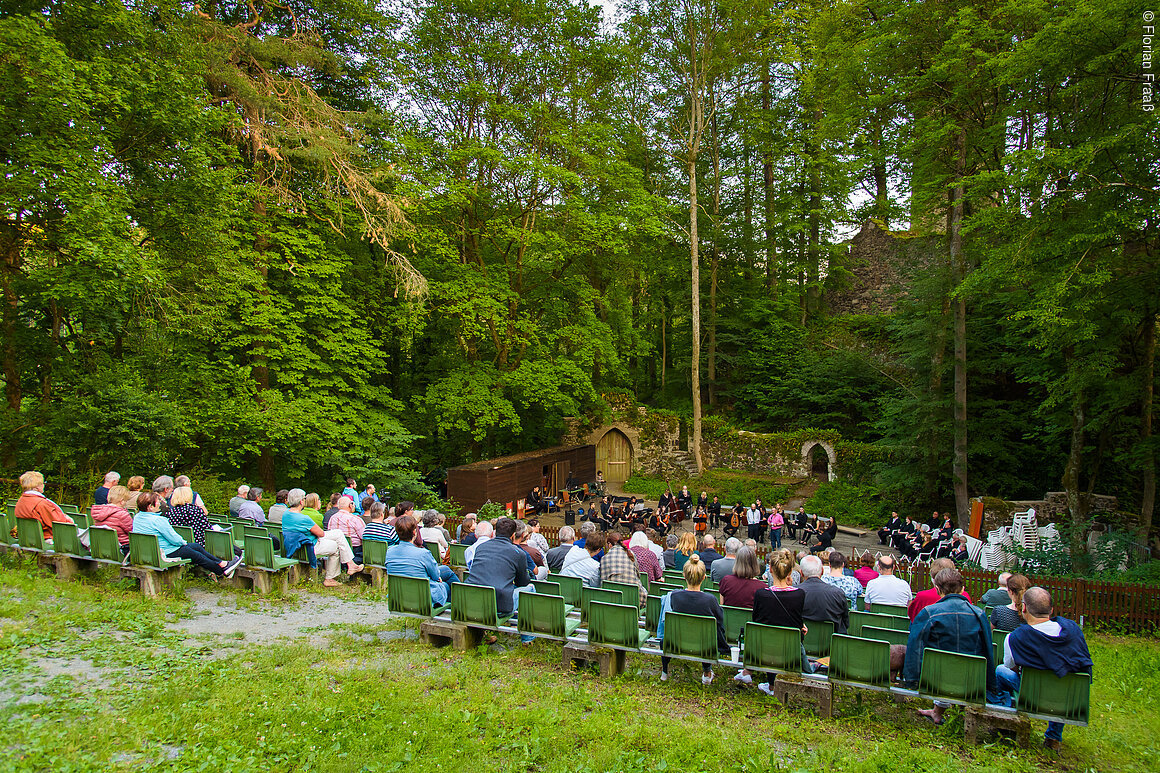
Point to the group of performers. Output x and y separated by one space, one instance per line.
937 538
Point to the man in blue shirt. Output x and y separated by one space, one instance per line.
352 492
500 564
409 560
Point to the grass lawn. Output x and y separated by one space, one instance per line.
94 677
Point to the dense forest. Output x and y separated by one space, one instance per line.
284 242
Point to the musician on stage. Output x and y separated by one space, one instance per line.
736 518
715 513
700 521
666 499
703 502
659 521
685 500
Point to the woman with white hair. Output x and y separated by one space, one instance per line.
645 558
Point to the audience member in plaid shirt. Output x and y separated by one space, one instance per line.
619 564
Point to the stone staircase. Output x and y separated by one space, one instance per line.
685 460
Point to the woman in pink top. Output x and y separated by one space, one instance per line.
115 515
865 573
737 589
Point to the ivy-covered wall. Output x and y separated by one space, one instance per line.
780 453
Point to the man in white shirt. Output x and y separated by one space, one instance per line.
581 562
886 588
483 532
753 522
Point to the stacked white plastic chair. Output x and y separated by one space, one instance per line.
1025 529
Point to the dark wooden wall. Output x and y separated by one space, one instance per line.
503 481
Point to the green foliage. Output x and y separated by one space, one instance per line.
852 504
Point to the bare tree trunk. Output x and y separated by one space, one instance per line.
1071 472
1148 499
937 356
773 275
958 274
714 260
695 440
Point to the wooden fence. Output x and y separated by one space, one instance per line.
1132 608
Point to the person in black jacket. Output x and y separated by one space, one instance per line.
693 601
685 500
715 513
887 531
823 601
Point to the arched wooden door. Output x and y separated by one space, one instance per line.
614 456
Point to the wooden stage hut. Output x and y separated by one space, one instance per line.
509 479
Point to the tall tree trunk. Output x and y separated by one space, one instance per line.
714 260
695 270
814 219
878 167
1075 504
772 273
958 274
1148 498
935 393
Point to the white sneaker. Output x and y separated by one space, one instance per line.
764 687
743 677
664 676
232 566
707 678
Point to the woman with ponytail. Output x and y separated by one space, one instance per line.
693 601
780 605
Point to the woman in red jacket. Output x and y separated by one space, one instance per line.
115 515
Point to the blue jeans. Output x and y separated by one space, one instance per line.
1009 680
775 538
440 593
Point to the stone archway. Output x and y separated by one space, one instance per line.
808 448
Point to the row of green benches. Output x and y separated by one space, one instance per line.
608 617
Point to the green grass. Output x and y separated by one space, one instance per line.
732 486
362 704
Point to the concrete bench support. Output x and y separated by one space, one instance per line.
609 661
440 633
820 693
979 721
301 572
153 581
262 582
65 567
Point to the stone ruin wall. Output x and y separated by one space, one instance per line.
882 265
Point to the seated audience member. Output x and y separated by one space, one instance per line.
692 601
997 597
865 573
824 602
555 556
953 624
279 507
237 501
724 565
465 527
377 530
150 521
654 538
646 560
536 539
686 546
1010 617
958 550
430 532
781 605
332 509
708 552
351 525
846 583
441 524
537 568
183 512
164 486
925 598
311 507
136 483
183 480
300 529
116 515
409 560
669 557
369 493
886 588
101 495
34 504
619 564
581 561
251 509
502 565
586 529
483 532
1049 643
737 588
903 534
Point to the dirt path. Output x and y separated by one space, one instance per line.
256 622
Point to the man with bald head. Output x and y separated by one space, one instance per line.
1047 642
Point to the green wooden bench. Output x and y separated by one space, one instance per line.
146 564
